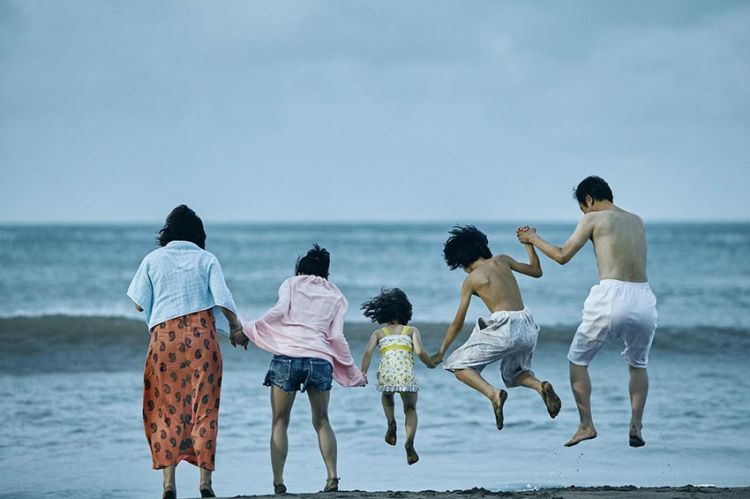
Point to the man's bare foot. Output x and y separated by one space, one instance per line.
411 454
636 439
551 400
583 433
497 407
390 434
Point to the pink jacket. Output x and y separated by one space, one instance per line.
308 321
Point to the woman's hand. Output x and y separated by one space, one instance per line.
237 336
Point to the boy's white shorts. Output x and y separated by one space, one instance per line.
616 310
507 336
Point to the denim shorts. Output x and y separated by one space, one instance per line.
299 373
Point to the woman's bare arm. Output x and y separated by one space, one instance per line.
236 335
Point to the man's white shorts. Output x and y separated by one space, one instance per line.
616 310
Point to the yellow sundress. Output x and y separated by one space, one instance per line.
396 369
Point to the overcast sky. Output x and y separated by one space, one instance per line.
361 110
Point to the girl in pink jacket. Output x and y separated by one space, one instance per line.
305 332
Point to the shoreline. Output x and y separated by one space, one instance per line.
572 492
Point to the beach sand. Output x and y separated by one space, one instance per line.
626 492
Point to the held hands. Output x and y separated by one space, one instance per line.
436 359
525 234
430 364
237 337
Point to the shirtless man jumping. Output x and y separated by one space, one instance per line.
621 306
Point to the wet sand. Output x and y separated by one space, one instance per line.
626 492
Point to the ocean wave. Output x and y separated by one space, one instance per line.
23 333
73 312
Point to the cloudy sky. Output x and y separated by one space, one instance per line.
356 110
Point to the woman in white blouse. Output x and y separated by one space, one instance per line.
177 287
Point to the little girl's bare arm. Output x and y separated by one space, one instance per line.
367 357
420 351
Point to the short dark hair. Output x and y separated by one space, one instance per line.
182 225
390 305
315 262
594 186
466 245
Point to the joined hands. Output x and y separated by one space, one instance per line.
436 360
525 234
237 336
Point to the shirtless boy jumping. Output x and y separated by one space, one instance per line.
508 335
621 306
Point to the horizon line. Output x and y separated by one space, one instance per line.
357 222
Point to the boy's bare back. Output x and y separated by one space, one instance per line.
493 281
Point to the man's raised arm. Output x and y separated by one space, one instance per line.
560 254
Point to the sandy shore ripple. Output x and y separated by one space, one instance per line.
627 492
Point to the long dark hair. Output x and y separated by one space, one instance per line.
315 262
183 225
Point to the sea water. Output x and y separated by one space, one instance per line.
73 351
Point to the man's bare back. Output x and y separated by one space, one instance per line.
619 240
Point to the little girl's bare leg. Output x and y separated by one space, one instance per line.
409 400
388 409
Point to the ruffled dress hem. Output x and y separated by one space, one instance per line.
394 388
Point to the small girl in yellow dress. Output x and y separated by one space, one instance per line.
397 342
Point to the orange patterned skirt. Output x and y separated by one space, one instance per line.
181 389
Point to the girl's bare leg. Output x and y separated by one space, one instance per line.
326 437
388 408
409 400
281 407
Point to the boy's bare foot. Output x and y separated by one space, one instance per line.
411 454
583 433
636 439
551 400
390 434
497 407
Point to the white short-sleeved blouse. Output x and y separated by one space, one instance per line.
179 279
